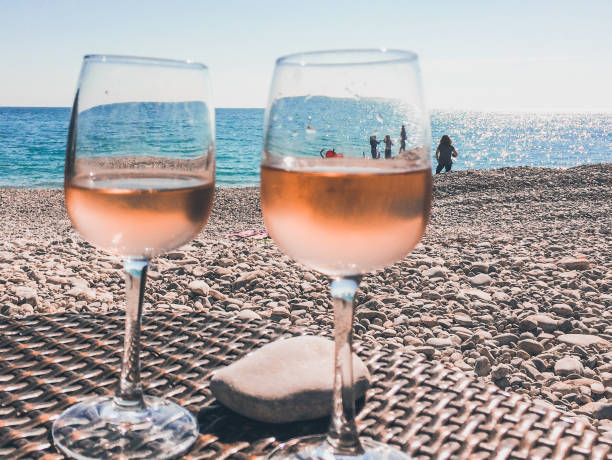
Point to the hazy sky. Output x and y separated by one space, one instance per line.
503 55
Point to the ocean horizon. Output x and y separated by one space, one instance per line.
33 142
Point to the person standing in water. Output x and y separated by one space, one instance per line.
388 144
403 139
445 154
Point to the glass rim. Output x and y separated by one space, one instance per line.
143 60
371 56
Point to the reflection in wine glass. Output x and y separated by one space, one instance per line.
139 181
335 205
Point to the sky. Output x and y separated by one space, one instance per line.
534 55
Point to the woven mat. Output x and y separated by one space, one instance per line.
50 362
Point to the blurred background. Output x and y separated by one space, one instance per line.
512 83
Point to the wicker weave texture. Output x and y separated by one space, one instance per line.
50 362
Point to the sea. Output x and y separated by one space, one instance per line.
33 142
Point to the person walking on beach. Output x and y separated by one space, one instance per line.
373 144
445 154
388 144
403 139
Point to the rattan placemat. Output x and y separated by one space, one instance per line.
50 362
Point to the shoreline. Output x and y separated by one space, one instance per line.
254 186
512 282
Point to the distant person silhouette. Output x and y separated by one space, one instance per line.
445 154
403 139
388 144
373 144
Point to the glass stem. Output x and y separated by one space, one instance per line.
129 395
342 434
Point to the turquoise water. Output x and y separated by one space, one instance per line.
33 142
302 126
495 140
164 129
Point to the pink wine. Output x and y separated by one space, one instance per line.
139 215
343 220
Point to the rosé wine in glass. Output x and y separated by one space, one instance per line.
139 181
348 211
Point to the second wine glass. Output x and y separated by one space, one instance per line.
139 181
335 203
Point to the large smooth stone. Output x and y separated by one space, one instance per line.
544 321
482 279
584 340
285 381
571 263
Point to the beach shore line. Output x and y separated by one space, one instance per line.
512 282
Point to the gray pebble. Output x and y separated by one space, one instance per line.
506 339
199 287
584 340
501 371
482 279
26 295
533 347
482 366
568 365
248 315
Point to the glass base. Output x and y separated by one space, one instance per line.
316 448
99 428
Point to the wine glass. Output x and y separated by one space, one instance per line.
332 201
139 181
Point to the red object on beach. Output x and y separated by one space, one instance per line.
331 154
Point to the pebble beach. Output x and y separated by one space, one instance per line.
511 284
